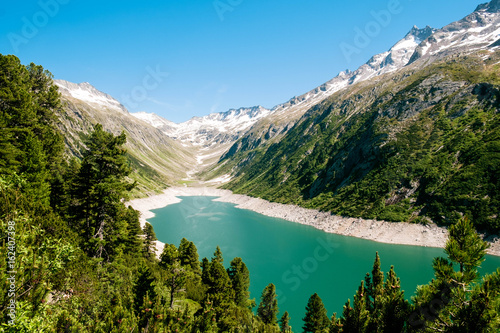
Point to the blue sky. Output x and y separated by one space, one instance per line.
182 58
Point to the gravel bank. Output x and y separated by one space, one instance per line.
385 232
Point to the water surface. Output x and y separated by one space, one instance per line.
300 260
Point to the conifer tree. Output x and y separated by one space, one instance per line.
102 187
285 323
218 255
205 271
374 300
149 241
219 287
188 255
143 288
169 255
30 144
268 307
335 325
176 280
465 247
462 304
240 280
133 242
316 319
395 307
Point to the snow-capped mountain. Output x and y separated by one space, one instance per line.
395 58
214 128
217 134
477 31
89 94
156 121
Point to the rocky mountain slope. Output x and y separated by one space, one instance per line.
210 136
157 159
407 144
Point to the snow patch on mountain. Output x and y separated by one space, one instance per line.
208 130
89 94
477 31
395 58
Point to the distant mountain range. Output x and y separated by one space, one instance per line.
396 139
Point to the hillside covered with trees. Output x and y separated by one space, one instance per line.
419 145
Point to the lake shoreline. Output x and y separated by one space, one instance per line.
401 233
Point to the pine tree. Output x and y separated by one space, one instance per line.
149 241
206 320
218 255
30 144
335 325
205 271
169 255
285 323
102 187
356 319
219 287
143 288
268 307
176 280
374 285
240 280
316 319
133 242
395 307
465 247
462 303
188 255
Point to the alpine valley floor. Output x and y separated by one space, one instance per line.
380 231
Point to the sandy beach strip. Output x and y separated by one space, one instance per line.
379 231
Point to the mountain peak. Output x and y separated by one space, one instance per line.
88 93
420 34
492 7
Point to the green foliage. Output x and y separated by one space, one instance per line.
465 247
30 145
316 320
457 300
285 323
149 241
240 280
82 265
268 306
379 305
99 194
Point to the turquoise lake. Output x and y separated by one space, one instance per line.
300 260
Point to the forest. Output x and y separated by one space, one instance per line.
75 259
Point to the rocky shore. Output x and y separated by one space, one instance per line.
380 231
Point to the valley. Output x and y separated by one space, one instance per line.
396 121
382 183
